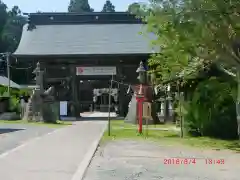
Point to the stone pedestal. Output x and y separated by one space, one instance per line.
39 107
132 116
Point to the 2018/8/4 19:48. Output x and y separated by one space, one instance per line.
185 161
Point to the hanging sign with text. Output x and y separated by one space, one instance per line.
96 70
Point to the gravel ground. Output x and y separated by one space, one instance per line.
13 135
138 160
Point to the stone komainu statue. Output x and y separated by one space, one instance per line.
40 106
48 113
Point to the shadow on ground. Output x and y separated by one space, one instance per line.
9 130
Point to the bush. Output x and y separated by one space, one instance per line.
14 104
211 110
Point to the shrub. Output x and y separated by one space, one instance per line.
14 104
211 110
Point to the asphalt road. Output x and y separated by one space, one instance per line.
62 155
13 135
132 160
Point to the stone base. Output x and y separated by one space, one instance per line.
10 116
149 122
103 108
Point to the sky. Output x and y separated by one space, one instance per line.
30 6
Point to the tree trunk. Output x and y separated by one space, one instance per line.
238 102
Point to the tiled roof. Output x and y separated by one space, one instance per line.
84 39
4 82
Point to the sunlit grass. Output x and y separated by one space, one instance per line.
120 123
121 130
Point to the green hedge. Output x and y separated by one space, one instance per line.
14 103
211 110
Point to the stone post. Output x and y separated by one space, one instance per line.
39 78
37 101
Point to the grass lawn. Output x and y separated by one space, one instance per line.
58 124
121 124
120 130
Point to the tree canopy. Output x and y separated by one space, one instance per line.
79 6
194 33
134 8
11 23
13 28
108 7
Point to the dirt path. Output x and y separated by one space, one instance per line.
138 160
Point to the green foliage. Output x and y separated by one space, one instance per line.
186 31
139 9
79 6
190 36
3 19
108 7
211 110
11 23
13 92
134 8
14 104
12 31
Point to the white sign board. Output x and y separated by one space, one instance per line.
96 70
63 108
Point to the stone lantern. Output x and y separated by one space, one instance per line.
142 73
140 104
140 96
39 77
36 99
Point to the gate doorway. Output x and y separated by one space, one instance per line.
101 100
93 95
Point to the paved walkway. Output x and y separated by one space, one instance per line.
53 156
142 160
98 114
13 135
